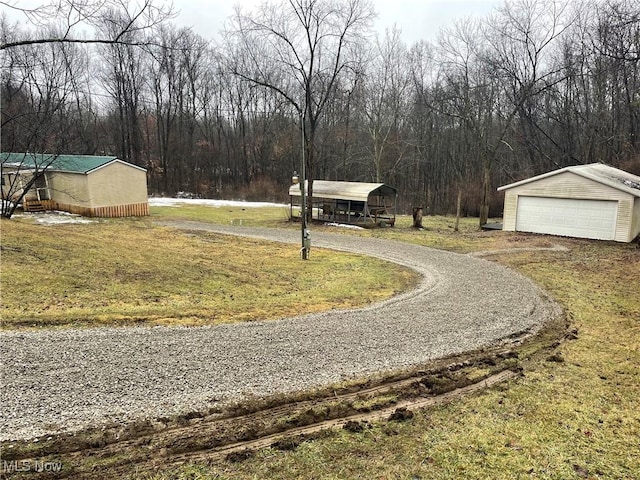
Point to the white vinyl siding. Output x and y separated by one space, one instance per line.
635 221
568 217
569 185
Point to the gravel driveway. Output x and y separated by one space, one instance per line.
64 380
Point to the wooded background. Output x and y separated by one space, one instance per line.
534 86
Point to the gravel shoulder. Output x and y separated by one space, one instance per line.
66 380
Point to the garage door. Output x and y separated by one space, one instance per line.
568 217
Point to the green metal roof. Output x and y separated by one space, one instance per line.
59 163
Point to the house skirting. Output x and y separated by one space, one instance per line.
35 205
112 211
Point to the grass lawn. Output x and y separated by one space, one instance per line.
123 272
225 215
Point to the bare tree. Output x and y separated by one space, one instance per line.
423 124
386 101
525 36
300 49
495 71
176 73
615 39
616 28
70 16
122 77
472 98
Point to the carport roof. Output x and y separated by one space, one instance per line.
355 191
598 172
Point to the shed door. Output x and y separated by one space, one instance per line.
568 217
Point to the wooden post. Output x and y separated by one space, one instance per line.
417 217
458 208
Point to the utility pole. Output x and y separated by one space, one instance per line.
306 235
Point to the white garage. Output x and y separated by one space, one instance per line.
587 201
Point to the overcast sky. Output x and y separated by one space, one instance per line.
418 19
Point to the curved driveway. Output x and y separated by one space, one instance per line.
69 379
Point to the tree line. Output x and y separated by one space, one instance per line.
531 87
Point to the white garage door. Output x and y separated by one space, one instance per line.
568 217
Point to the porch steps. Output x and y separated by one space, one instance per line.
34 207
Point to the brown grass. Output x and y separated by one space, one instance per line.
129 272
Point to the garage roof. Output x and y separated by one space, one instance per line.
355 191
598 172
59 163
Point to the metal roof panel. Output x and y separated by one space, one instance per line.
59 163
598 172
355 191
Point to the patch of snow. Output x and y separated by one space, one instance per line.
9 203
625 181
631 183
56 218
176 202
342 225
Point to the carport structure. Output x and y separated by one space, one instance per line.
354 203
